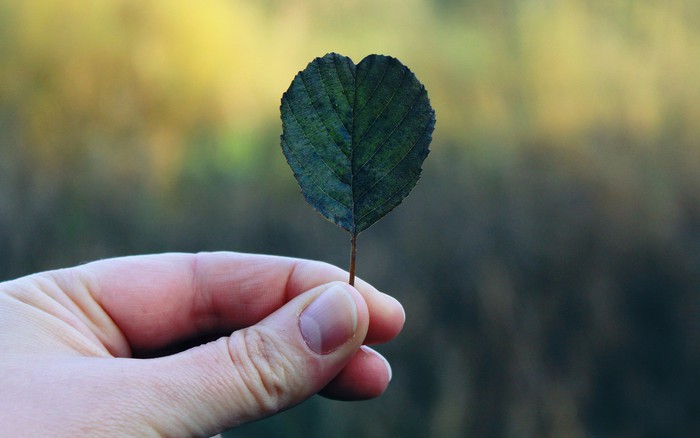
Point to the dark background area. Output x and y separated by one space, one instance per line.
548 260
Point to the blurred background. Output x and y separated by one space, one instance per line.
548 260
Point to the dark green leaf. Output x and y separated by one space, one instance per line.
356 136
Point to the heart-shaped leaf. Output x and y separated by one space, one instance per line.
356 136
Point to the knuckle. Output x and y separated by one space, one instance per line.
263 366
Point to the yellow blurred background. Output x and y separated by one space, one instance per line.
558 294
75 72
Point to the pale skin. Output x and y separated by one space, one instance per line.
184 345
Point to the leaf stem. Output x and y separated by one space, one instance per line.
353 251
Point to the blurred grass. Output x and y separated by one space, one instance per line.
548 261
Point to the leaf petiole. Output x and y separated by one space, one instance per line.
353 251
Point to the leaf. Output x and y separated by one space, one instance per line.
356 136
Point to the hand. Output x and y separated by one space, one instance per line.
101 349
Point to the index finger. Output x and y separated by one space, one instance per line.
158 300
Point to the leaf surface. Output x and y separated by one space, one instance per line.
356 136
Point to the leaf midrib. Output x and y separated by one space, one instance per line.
354 143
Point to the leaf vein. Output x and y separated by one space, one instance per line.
328 195
361 197
359 81
384 203
373 91
379 115
337 73
318 113
388 137
291 110
325 88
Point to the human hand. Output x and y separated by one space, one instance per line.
99 349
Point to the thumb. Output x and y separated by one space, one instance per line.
257 371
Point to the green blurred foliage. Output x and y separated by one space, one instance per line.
549 260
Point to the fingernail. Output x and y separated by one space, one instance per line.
403 311
386 362
329 321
